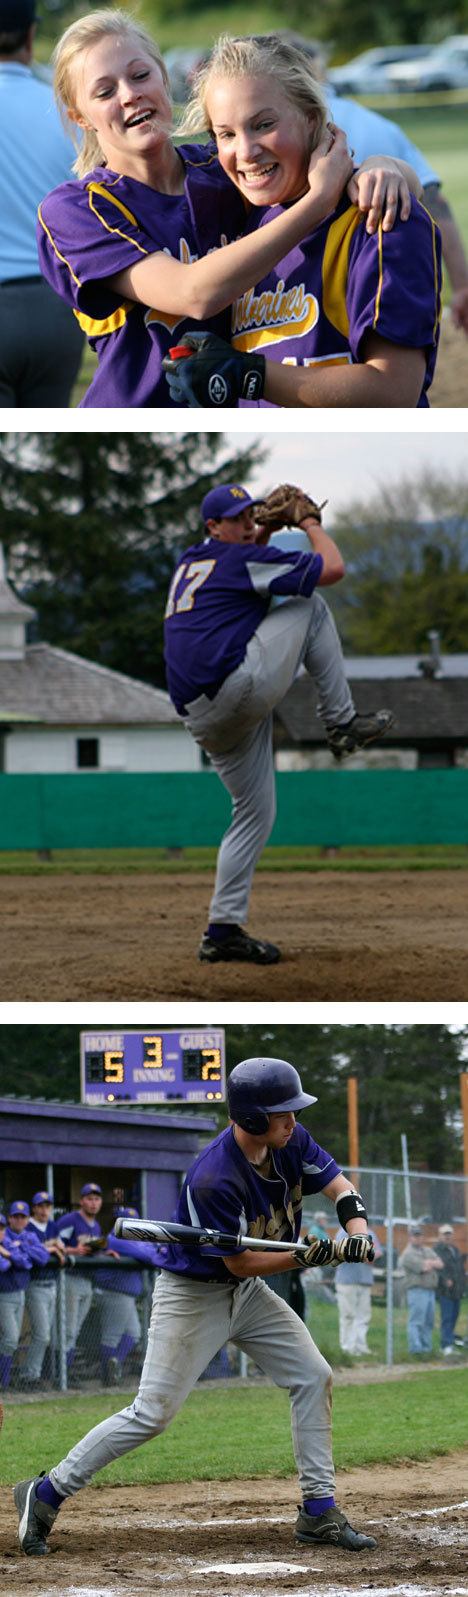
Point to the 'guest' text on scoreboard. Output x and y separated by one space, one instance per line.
185 1066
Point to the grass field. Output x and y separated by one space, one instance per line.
113 861
225 1433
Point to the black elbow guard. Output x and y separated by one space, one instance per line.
349 1206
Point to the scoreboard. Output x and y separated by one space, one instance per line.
166 1066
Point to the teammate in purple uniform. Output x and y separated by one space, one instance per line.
76 1231
349 317
41 1293
134 246
251 1179
230 659
118 1292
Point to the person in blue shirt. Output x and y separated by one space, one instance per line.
353 1284
40 343
249 1182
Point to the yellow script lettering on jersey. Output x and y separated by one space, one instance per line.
272 316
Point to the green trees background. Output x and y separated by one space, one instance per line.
92 526
409 1081
344 28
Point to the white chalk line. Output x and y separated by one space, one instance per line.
148 1521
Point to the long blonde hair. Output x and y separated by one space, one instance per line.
77 38
253 56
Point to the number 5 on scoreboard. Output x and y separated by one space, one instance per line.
194 576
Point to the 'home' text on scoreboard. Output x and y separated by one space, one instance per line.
152 1066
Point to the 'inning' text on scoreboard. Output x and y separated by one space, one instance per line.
186 1066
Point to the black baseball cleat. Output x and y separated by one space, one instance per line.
333 1528
358 732
35 1518
238 946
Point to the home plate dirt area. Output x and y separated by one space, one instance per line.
220 1539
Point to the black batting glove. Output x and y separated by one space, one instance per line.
355 1250
318 1251
206 371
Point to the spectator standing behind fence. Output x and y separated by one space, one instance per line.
421 1267
40 343
13 1284
354 1298
117 1292
41 1293
450 1286
78 1230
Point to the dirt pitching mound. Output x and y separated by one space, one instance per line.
343 937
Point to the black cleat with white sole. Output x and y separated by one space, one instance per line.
35 1518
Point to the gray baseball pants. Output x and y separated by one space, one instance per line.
11 1319
78 1298
190 1322
119 1316
40 1304
236 727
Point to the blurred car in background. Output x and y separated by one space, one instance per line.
181 66
368 73
444 67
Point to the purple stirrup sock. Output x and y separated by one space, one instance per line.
318 1505
46 1493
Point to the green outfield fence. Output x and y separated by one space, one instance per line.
181 810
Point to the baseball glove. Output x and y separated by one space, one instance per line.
286 506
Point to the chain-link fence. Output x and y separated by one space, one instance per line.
87 1323
416 1303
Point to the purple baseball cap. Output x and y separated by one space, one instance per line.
126 1214
91 1190
19 1208
227 500
16 14
41 1197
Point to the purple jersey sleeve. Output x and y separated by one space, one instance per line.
86 234
394 284
318 1166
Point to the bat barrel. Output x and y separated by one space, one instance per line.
168 1231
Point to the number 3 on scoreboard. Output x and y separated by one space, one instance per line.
194 576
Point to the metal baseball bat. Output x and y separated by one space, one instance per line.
197 1236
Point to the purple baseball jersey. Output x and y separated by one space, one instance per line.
219 594
45 1270
225 1192
317 305
73 1228
91 230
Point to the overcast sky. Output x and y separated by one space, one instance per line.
341 466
